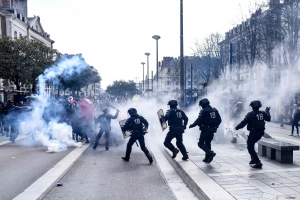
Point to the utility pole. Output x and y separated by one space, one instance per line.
147 80
181 55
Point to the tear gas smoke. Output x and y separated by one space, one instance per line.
55 135
223 98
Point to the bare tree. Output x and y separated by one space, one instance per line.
291 25
209 50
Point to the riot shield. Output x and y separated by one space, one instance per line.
126 134
162 120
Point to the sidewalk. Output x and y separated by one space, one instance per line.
229 175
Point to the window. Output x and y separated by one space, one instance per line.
189 82
177 82
15 35
169 70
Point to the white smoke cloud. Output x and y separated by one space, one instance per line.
56 136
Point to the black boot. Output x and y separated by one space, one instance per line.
107 148
206 158
211 156
252 162
185 157
175 152
149 158
257 164
125 159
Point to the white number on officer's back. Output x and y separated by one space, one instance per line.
212 115
260 116
178 114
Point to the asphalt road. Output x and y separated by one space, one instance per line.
101 174
21 164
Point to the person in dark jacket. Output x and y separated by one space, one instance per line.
105 121
177 121
255 121
208 121
138 126
295 119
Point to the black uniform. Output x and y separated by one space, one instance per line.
208 121
105 121
255 122
177 121
137 125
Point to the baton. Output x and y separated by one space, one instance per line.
137 144
114 107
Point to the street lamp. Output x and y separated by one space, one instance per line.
143 76
156 37
147 81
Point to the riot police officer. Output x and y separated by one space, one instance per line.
255 121
138 126
177 121
208 121
104 120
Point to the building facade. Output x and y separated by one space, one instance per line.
15 23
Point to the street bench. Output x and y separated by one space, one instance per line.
276 150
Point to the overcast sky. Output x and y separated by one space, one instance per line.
113 35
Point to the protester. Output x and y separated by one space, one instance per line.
295 119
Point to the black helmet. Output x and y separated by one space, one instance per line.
132 111
172 103
255 104
204 102
105 110
9 102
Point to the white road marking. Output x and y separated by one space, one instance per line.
45 183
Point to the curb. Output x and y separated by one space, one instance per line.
199 183
40 188
175 183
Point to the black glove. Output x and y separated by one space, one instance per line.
268 109
184 127
236 128
191 126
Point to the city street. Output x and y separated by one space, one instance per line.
101 174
